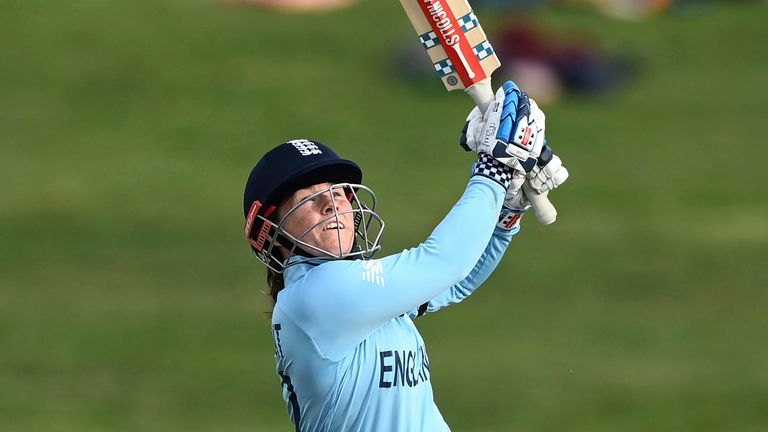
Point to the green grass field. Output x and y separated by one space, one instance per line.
129 300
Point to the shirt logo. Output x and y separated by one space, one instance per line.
374 272
305 147
403 368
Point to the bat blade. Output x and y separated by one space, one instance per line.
456 43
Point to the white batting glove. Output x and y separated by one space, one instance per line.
515 203
515 198
511 130
548 173
479 133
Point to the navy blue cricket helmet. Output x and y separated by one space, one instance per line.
291 166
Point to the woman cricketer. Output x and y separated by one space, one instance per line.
348 354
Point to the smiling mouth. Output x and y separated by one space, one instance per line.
334 225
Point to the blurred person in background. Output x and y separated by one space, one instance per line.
348 355
622 9
547 65
295 5
631 9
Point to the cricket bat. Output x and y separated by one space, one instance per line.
464 59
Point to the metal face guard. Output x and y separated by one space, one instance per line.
369 227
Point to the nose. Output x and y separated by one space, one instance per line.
329 203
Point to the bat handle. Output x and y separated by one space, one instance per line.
545 212
482 94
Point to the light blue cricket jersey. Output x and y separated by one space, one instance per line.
348 355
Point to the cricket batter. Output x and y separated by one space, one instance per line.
348 354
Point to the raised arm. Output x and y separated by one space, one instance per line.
347 300
339 303
487 263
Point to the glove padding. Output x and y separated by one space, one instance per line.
511 129
515 198
515 203
541 178
548 173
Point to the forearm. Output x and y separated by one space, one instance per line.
458 243
487 263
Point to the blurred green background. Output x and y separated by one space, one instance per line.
130 302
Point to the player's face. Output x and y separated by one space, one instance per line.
318 215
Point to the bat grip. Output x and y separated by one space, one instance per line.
545 212
482 93
543 209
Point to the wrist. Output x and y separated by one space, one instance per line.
487 166
509 219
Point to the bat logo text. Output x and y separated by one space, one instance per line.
443 23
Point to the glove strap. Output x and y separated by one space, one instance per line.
487 166
509 219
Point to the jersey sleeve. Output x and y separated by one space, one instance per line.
340 303
485 266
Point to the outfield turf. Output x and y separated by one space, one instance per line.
129 300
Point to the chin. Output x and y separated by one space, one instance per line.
332 245
335 250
